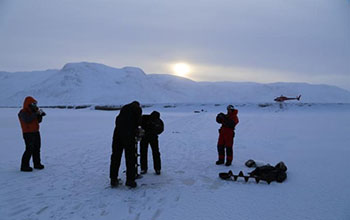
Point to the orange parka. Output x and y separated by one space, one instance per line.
29 120
226 132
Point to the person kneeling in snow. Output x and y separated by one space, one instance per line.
30 116
226 134
153 126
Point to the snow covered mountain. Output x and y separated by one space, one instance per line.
92 83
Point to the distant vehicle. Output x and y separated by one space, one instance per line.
284 98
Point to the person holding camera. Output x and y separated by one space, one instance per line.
30 116
124 138
153 126
226 134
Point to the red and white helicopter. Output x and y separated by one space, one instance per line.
284 98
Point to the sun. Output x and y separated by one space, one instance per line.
181 69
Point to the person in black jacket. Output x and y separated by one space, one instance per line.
126 129
153 126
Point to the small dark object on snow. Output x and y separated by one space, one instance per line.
270 173
266 173
250 163
281 166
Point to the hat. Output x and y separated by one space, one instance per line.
155 114
230 107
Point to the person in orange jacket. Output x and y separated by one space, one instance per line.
30 116
226 134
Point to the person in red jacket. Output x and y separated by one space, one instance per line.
226 134
30 116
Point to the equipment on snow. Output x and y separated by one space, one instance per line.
139 134
230 176
250 163
137 175
265 173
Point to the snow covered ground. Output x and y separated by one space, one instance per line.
313 141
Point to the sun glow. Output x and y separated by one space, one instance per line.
181 69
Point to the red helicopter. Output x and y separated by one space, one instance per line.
283 98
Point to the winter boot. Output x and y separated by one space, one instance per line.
39 167
228 163
158 172
219 162
114 182
26 169
131 184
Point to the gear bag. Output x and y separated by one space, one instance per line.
271 173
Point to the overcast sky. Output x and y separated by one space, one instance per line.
231 40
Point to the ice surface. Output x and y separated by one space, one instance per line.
313 141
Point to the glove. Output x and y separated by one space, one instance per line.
220 118
140 133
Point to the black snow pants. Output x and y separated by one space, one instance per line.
153 141
33 144
130 159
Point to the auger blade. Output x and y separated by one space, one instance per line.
257 179
224 176
246 178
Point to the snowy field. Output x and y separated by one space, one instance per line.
313 141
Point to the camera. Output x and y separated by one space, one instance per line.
41 112
34 108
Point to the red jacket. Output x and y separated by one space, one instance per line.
233 116
228 121
28 119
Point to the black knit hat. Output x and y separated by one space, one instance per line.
230 107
